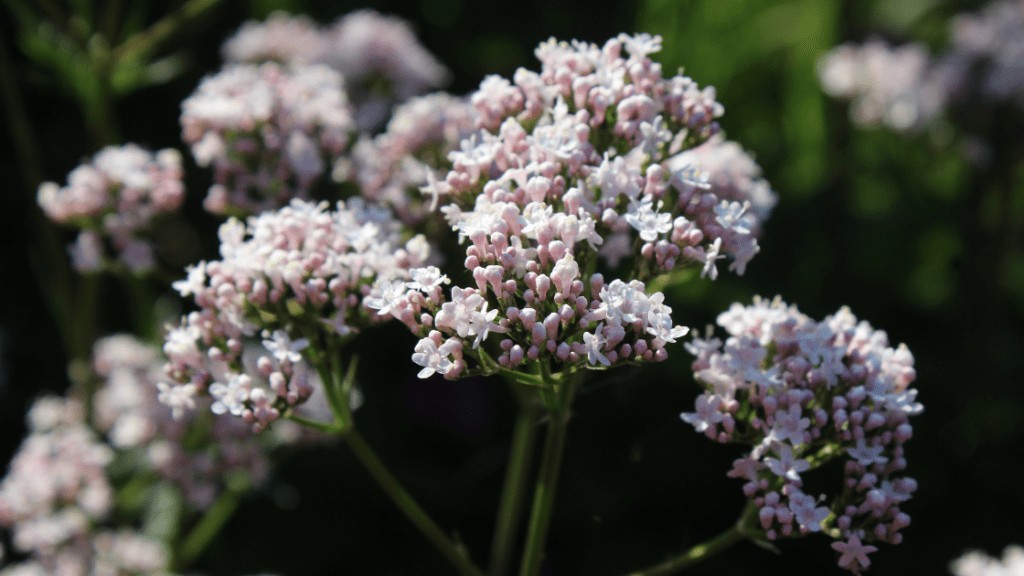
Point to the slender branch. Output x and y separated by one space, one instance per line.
210 524
694 555
328 427
513 493
739 531
163 29
454 552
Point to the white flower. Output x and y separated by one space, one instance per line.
283 347
230 397
434 358
786 465
708 413
595 346
426 279
177 397
647 220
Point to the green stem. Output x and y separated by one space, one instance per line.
454 552
547 480
743 529
328 427
513 493
84 323
211 523
142 306
697 554
141 44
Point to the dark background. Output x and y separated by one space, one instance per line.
901 229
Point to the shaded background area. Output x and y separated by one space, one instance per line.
902 230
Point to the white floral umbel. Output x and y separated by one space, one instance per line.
269 133
114 199
56 497
128 412
597 134
801 393
294 280
379 56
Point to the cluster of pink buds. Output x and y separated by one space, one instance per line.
293 280
532 290
128 413
412 151
802 393
597 131
379 56
113 199
57 492
270 133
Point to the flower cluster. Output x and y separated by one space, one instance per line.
391 168
55 494
293 279
269 132
802 393
595 133
379 56
987 53
891 86
530 289
128 413
282 38
980 564
906 88
114 198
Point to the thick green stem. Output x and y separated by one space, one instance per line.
547 478
513 494
211 523
454 552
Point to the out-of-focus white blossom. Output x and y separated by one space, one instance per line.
887 85
113 199
980 564
268 132
379 56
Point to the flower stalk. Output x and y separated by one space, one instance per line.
513 494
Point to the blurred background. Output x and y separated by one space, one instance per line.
902 229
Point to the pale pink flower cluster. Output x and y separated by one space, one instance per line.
987 52
55 495
532 291
379 56
801 393
292 40
906 89
412 151
892 86
594 132
113 199
128 412
980 564
269 133
293 279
